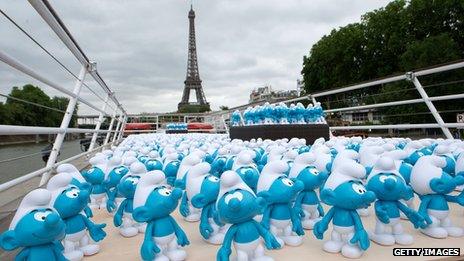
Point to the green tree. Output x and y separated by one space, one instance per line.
224 108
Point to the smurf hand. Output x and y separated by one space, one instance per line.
88 212
182 239
382 215
149 250
300 213
223 254
96 232
460 199
205 229
417 220
184 209
298 228
426 217
320 210
362 238
117 220
110 205
319 229
270 241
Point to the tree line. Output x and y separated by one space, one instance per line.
403 36
17 112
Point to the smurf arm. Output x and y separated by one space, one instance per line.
297 207
266 215
296 222
110 205
117 219
425 200
23 254
205 227
416 219
269 240
95 230
381 213
360 235
456 199
321 226
224 252
88 212
182 239
183 208
149 248
58 250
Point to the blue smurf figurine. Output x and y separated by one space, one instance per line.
69 201
279 193
95 176
433 186
247 170
344 191
389 187
237 205
207 187
35 227
186 209
307 204
236 118
123 216
111 182
219 162
153 204
170 167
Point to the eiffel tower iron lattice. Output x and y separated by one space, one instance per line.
192 81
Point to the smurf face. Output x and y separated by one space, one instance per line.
115 176
412 159
239 205
71 201
311 178
128 185
284 190
153 165
445 184
388 186
38 227
162 201
210 187
94 175
348 195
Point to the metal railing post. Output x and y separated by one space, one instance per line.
107 138
412 77
115 134
121 131
64 125
98 124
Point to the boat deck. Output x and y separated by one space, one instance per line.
115 247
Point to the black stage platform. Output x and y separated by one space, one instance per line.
310 132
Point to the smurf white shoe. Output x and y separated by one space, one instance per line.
351 251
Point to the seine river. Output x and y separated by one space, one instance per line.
16 168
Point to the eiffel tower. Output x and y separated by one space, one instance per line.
192 81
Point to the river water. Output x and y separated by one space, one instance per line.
13 169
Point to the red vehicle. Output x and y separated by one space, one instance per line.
135 128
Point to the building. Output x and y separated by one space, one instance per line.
266 93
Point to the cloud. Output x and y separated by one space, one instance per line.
141 46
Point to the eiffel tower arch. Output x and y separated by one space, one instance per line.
192 81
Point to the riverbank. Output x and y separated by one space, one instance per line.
9 140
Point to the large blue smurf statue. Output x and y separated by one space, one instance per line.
123 219
153 204
69 201
37 228
344 191
279 193
390 187
307 204
433 186
203 191
236 118
237 205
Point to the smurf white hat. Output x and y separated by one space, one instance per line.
229 181
425 169
146 185
72 170
57 184
195 178
345 171
384 165
244 158
38 198
137 168
301 161
186 163
271 171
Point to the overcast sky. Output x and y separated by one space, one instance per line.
140 46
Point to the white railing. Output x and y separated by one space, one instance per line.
412 77
88 67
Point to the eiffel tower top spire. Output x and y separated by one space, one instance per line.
192 79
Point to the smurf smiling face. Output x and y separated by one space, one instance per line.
311 178
71 201
94 175
239 205
388 186
160 203
348 195
128 185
